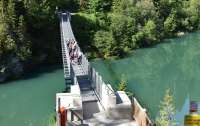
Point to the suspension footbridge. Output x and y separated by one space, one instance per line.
90 101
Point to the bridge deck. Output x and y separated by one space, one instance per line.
87 93
68 34
79 70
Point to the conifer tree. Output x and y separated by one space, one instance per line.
167 111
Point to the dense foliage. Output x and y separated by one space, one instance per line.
29 33
123 25
29 29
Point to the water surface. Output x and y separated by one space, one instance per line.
31 100
174 65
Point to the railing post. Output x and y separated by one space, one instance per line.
72 116
100 85
93 78
63 116
97 82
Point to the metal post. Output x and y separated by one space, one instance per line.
63 116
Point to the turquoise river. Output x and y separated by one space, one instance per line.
174 64
31 100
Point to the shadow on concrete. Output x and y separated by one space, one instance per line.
89 108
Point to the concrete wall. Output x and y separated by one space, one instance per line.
76 93
122 109
70 101
108 96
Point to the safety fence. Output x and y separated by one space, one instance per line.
140 114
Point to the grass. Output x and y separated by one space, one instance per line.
51 121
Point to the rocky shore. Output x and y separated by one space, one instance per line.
13 68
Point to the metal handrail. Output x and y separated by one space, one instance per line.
113 92
74 113
64 50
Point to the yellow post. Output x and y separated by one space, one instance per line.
192 120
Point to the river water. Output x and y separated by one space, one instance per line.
173 65
31 100
149 72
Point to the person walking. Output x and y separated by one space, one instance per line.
79 58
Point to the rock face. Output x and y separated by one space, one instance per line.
16 67
13 69
3 77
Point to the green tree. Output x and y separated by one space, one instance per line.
11 13
165 7
147 35
138 39
24 45
116 5
121 6
7 27
167 111
123 27
122 85
193 14
99 5
13 38
170 24
147 11
150 31
105 44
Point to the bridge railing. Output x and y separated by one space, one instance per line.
85 63
73 76
97 83
68 59
65 54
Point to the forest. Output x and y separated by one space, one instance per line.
30 34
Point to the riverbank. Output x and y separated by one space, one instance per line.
13 68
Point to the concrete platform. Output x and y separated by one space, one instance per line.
101 121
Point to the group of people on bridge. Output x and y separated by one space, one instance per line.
74 52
